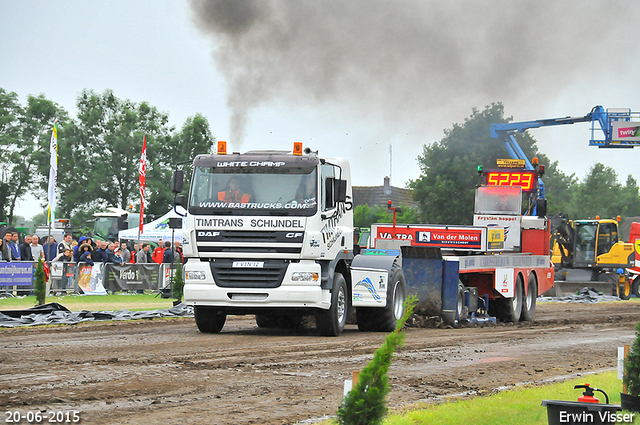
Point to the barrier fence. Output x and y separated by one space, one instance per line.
19 277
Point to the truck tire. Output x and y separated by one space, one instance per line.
529 300
612 279
510 309
385 319
625 290
635 287
209 320
461 308
331 322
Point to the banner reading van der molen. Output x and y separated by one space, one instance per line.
16 274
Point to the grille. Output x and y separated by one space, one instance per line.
254 242
269 276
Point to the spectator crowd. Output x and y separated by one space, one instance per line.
85 250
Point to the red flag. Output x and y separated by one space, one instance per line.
143 170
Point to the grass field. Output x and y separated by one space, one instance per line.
131 302
517 406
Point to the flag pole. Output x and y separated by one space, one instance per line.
53 176
142 178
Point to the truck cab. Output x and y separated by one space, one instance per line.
268 233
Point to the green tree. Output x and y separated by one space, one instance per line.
10 136
40 116
446 186
106 144
598 193
559 188
194 138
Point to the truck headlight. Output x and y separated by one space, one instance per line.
304 277
197 275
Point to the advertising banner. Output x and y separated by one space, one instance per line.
510 223
437 237
132 277
16 273
90 279
626 131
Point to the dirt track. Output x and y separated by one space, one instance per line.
165 371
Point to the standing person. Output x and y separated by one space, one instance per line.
134 253
83 249
50 249
99 255
126 254
37 252
65 244
158 253
6 250
76 254
142 257
15 246
115 257
25 249
167 256
179 251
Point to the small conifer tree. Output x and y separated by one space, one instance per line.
632 366
40 285
365 403
178 283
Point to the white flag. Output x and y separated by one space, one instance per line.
53 172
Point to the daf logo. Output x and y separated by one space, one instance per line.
293 235
208 234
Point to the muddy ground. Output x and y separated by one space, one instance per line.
165 371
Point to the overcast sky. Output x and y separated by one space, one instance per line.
348 78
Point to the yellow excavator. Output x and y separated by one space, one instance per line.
589 253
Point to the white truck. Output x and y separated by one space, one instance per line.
270 233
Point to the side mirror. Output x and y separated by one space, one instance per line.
340 191
177 181
180 200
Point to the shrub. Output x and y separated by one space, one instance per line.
40 289
632 366
178 283
365 404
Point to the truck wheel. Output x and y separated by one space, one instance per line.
209 320
510 309
625 290
529 303
331 322
385 319
266 322
612 279
635 287
461 309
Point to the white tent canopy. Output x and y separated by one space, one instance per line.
156 229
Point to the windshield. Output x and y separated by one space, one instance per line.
585 242
106 227
285 192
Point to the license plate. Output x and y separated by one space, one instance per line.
248 264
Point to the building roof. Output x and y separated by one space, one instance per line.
380 195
